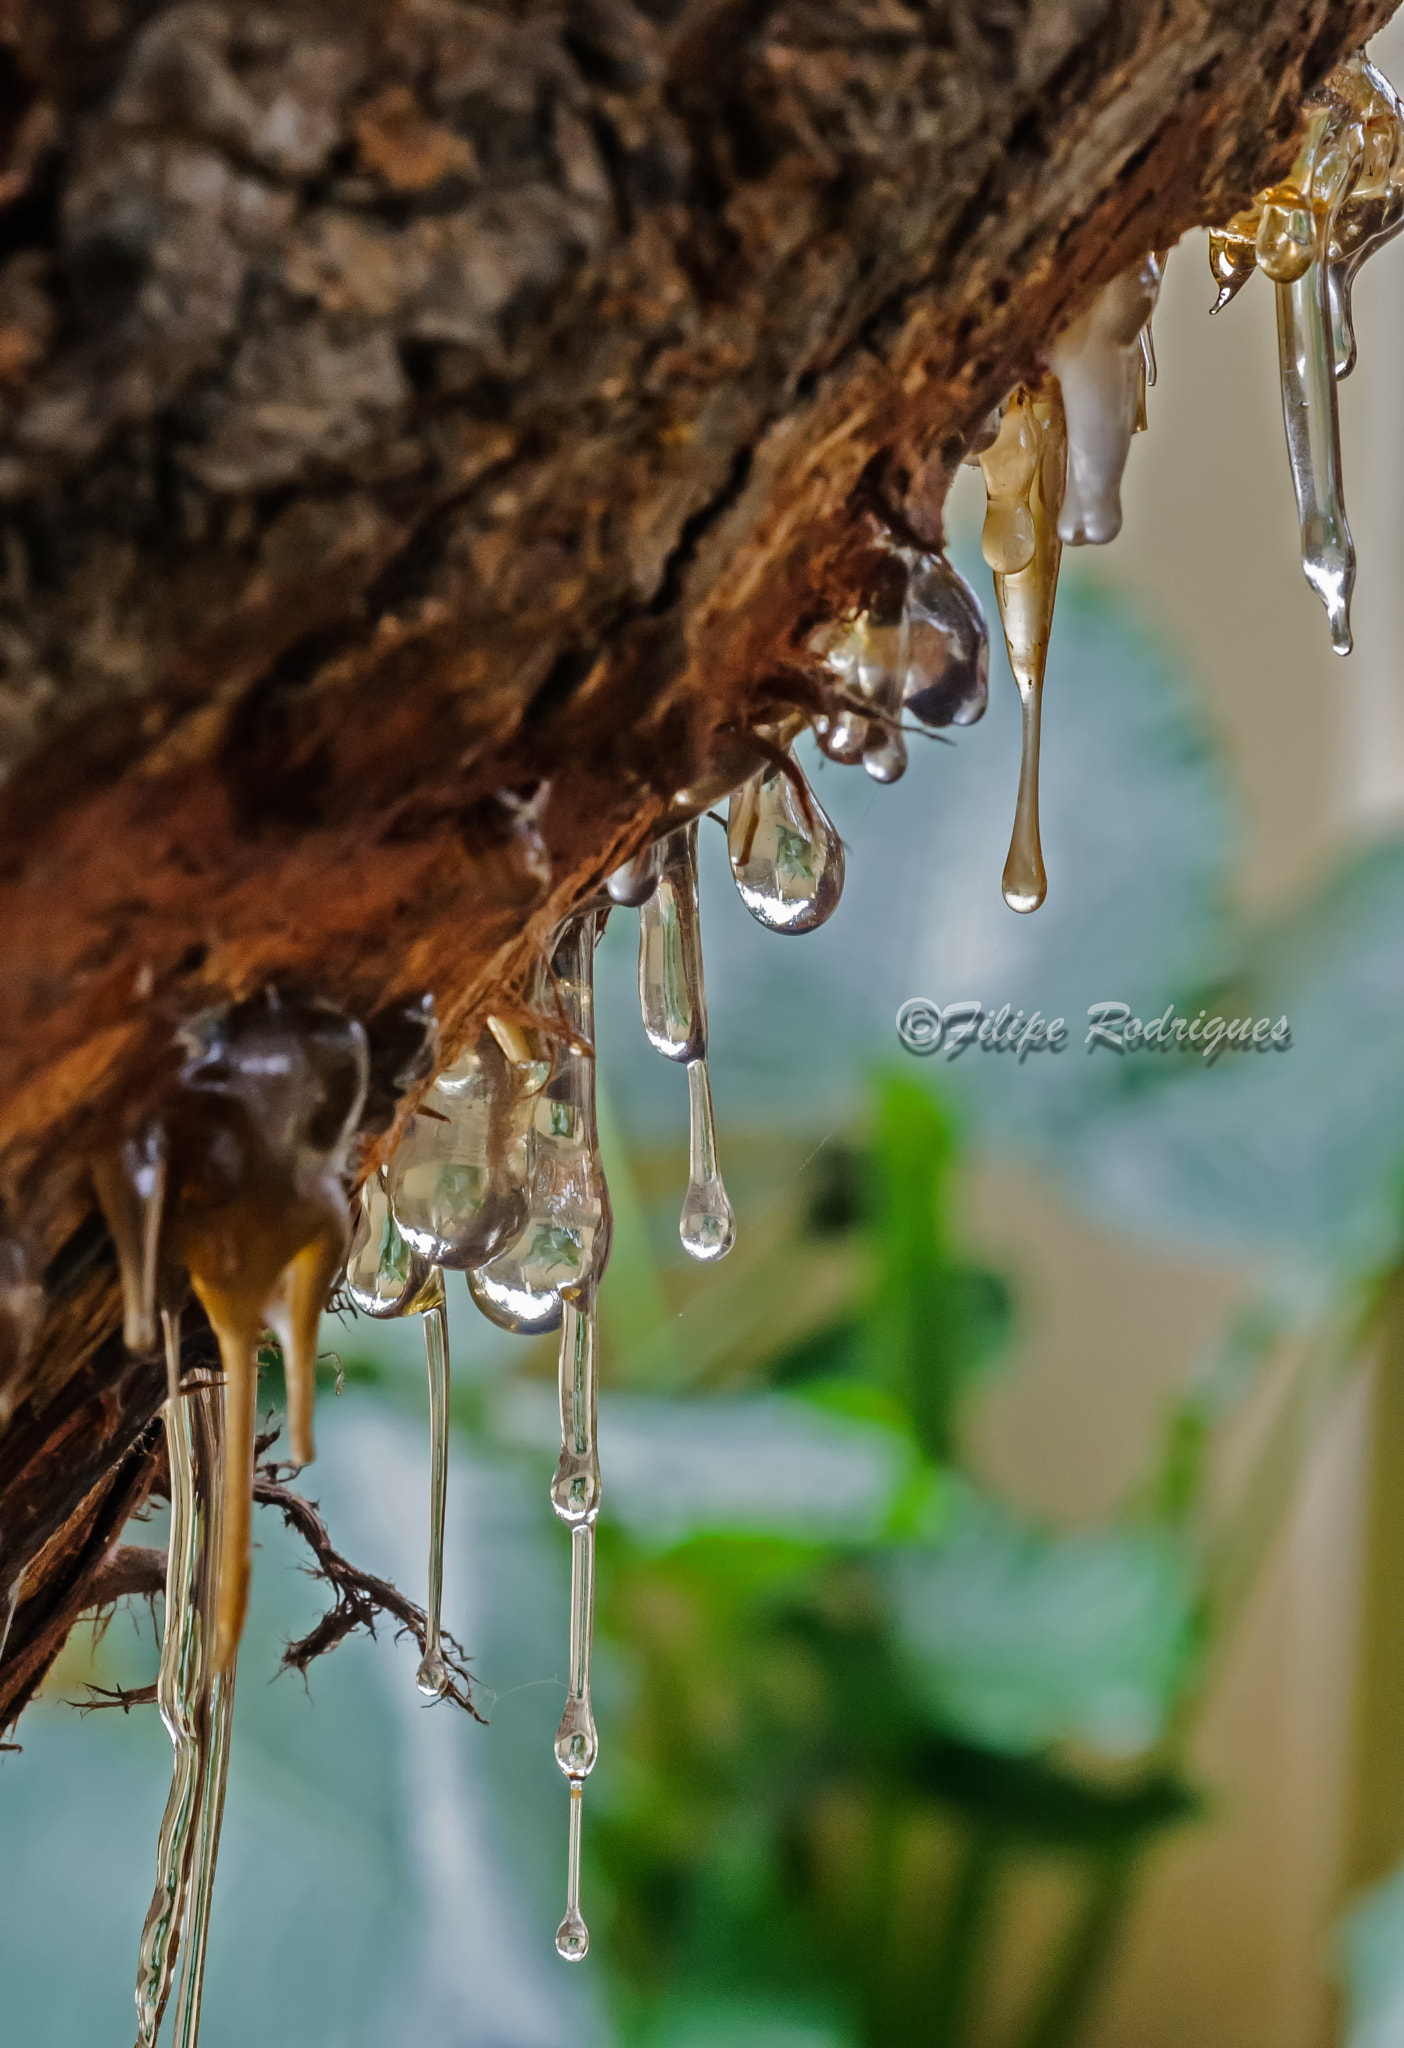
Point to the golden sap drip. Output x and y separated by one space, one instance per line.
1024 470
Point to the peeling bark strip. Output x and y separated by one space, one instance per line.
405 402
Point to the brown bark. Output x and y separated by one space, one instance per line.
409 408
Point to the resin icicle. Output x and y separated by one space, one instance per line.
1024 473
180 1678
575 1496
786 858
566 1237
432 1677
1342 198
1099 362
217 1724
673 1001
196 1705
1314 445
385 1278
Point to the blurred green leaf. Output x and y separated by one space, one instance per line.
1021 1639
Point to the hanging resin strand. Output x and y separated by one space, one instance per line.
1024 473
182 1674
1343 197
432 1678
786 858
386 1278
575 1496
196 1706
673 1001
1309 414
216 1722
566 1237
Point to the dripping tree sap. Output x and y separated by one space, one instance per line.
306 689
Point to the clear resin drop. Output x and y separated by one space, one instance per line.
565 1239
948 647
786 858
673 1004
385 1276
131 1188
458 1182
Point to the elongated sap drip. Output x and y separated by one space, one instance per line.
458 1182
217 1730
1024 473
180 1680
1342 198
673 1003
432 1677
1305 351
1100 362
131 1186
197 1707
786 858
575 1496
257 1132
566 1237
385 1278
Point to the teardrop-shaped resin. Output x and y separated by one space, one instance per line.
786 858
948 647
458 1183
566 1236
385 1276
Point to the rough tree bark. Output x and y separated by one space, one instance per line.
415 409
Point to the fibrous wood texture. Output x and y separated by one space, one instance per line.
425 429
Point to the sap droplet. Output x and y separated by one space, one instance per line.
565 1239
786 858
384 1275
707 1226
458 1182
948 647
673 1003
868 654
634 882
1099 362
1025 598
